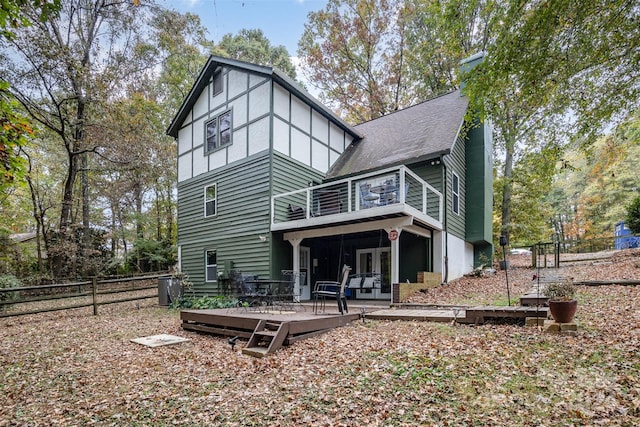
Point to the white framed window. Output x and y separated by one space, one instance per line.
210 200
218 132
455 191
211 265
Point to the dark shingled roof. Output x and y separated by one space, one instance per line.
416 133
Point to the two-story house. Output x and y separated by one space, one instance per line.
270 179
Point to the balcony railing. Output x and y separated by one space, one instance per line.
393 190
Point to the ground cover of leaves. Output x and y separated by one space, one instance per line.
73 368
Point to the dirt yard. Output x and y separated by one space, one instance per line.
72 368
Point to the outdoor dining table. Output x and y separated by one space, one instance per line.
387 193
265 288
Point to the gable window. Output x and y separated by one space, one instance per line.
218 131
210 200
211 266
217 83
455 190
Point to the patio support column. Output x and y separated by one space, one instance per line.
296 265
395 258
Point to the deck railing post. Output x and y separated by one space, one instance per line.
94 292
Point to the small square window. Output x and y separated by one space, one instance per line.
210 200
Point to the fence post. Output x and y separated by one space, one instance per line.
557 254
94 285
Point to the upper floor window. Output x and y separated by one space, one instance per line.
455 190
210 200
217 83
218 131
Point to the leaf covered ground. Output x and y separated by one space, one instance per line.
72 368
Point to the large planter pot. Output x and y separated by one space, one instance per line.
563 311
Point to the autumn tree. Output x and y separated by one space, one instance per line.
569 62
251 45
353 52
596 183
14 127
64 66
440 34
179 42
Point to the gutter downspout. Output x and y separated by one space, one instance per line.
445 229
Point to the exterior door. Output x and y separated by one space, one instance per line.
305 259
375 260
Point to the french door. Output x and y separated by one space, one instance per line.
375 260
305 258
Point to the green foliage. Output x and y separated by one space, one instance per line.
8 281
12 16
204 302
152 255
252 46
632 219
594 187
14 131
14 128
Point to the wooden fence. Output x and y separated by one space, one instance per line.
553 254
91 293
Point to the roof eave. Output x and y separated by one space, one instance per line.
214 61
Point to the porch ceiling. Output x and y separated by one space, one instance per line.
402 222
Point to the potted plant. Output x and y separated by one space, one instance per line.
562 302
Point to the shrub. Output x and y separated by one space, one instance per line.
8 281
633 216
206 302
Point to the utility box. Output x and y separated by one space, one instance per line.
227 266
169 290
164 283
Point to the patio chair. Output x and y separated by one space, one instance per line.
328 202
329 289
246 292
367 198
283 293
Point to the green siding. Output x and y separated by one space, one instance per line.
480 189
288 175
243 215
479 158
456 164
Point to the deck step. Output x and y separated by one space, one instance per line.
480 314
255 351
267 337
266 333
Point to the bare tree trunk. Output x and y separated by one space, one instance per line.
507 188
37 215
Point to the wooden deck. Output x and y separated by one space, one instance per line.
303 323
268 330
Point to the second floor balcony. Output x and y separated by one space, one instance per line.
387 193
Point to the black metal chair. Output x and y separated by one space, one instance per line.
247 294
329 289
